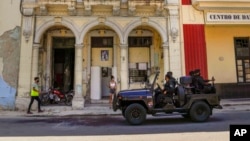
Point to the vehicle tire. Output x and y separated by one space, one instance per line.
44 100
68 100
199 111
135 114
186 116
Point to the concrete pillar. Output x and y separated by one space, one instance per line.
25 67
78 100
114 69
166 58
35 57
174 41
124 66
48 62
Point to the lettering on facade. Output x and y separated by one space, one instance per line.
228 17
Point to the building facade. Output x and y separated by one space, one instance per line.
79 44
224 43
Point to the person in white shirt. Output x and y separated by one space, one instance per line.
112 91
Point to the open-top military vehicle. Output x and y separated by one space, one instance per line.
137 103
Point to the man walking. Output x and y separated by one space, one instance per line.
35 96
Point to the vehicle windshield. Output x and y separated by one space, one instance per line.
151 78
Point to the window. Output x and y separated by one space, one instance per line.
242 55
139 41
102 42
137 72
139 58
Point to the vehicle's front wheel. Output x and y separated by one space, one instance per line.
187 116
199 111
135 114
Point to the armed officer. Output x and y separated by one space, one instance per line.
167 93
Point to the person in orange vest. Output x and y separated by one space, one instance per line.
35 96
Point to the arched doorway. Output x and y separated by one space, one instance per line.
57 58
102 44
145 54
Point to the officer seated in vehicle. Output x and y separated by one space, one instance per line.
166 97
200 84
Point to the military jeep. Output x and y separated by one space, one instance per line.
135 104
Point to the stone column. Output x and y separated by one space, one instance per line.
124 66
166 58
35 56
48 62
78 100
174 41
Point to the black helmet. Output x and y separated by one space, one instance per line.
170 73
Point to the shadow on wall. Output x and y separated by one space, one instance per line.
7 96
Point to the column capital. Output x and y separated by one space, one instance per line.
79 46
165 45
36 45
124 45
173 10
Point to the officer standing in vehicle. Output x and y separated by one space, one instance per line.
199 82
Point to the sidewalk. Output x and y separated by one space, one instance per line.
103 109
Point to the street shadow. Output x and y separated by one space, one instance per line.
110 125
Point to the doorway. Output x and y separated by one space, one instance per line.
63 64
101 63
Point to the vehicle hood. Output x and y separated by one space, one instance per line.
135 92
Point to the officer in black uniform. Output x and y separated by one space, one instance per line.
167 93
172 79
199 82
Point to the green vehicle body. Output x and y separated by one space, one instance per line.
137 103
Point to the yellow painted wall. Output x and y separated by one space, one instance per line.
96 57
138 54
10 16
220 51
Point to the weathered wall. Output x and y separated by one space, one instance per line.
9 66
10 16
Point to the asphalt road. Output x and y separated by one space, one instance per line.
80 126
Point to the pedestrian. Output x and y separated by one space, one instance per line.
35 96
112 91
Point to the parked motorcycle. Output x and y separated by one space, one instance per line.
57 96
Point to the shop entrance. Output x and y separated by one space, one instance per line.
63 63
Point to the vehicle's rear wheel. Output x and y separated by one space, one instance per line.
44 99
68 100
199 111
135 114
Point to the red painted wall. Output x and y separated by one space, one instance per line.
195 48
186 2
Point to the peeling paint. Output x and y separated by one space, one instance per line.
1 67
9 66
10 54
7 96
